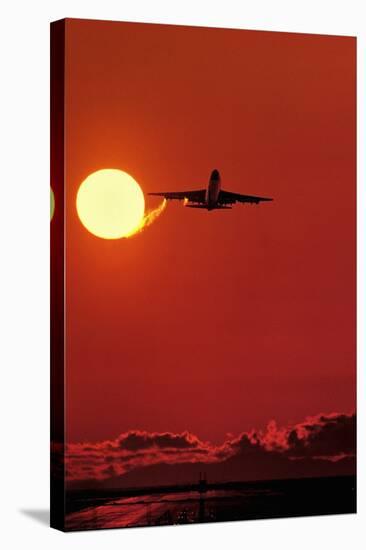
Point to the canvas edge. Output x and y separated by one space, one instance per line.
57 249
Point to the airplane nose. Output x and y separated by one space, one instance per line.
215 174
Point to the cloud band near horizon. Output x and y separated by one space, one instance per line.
327 437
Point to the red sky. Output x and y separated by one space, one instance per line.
211 322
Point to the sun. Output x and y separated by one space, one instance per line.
110 204
52 203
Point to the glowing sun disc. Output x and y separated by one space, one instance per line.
52 206
110 204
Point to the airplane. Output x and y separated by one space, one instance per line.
211 198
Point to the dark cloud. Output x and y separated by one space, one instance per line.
325 437
137 440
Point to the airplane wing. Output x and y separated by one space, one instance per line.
193 196
225 197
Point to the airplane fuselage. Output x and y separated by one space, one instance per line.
213 190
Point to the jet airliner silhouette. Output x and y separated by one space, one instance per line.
211 198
